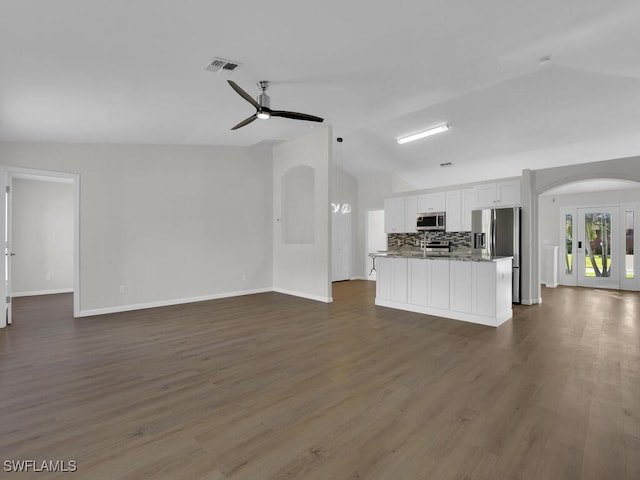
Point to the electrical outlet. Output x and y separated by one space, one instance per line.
122 289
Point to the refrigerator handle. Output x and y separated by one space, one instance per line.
516 237
492 244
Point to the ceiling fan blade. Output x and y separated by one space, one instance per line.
244 94
246 121
296 116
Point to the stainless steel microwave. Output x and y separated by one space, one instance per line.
430 221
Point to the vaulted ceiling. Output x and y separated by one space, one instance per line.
523 84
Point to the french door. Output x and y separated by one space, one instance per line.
590 250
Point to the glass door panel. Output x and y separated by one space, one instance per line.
628 246
597 255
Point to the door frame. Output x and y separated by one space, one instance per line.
7 174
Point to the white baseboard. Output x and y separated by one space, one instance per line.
166 303
496 321
528 301
304 295
42 292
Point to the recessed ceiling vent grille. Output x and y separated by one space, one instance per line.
446 164
218 65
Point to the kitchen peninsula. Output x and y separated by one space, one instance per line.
468 287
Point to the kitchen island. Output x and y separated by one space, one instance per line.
472 288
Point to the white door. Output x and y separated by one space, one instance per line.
597 259
5 290
341 246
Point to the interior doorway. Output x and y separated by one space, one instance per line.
32 205
341 246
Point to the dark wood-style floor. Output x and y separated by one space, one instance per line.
270 386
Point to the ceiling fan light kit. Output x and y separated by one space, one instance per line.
263 107
425 133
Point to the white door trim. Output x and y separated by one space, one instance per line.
8 173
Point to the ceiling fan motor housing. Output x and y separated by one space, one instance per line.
264 100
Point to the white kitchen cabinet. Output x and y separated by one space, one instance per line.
483 294
459 204
399 287
418 276
432 202
468 205
410 213
394 215
400 214
438 284
460 286
391 281
472 291
384 277
453 219
501 194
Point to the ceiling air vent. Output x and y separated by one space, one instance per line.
446 164
218 65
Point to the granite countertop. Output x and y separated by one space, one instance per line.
458 256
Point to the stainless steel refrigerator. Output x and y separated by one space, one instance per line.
496 232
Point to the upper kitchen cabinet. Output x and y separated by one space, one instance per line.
400 214
459 205
410 213
501 194
432 202
453 220
394 215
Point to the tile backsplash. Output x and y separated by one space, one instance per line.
458 240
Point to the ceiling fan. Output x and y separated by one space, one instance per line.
262 106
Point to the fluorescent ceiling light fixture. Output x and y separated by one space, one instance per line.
426 133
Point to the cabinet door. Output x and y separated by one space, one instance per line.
460 286
438 201
486 195
399 279
468 204
417 291
483 294
384 278
509 193
394 215
438 284
432 202
410 213
454 211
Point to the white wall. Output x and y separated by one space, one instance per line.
304 269
169 223
42 237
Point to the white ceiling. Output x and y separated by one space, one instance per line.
134 72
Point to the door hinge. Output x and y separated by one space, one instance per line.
7 300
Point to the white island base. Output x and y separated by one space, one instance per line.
460 289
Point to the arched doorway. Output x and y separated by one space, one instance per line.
540 181
589 227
